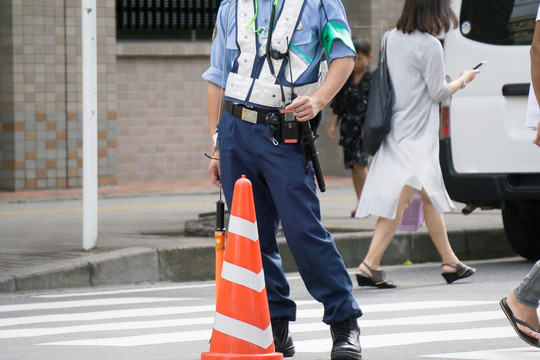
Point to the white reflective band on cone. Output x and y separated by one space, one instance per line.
243 228
242 276
243 331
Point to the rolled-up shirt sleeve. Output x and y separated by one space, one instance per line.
222 52
333 11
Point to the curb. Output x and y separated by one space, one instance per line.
195 263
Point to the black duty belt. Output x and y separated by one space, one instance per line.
247 113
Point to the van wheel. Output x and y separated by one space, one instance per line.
522 227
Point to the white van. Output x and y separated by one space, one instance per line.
487 155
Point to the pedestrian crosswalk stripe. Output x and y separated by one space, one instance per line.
140 340
86 303
157 311
128 325
306 346
172 328
421 305
295 327
453 318
526 353
411 338
103 315
418 305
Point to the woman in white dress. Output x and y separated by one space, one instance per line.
408 158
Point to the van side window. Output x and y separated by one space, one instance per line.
499 22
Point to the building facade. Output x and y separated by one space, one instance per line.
152 123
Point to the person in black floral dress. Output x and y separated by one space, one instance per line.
349 107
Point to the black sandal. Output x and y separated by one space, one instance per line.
462 271
515 321
377 279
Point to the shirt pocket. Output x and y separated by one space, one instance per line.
299 51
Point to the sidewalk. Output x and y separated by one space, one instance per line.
141 235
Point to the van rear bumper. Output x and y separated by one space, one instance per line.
485 188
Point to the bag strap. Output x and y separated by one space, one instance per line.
382 54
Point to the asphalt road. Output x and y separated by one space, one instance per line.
422 319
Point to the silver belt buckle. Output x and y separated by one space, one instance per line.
249 115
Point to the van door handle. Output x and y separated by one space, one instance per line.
521 89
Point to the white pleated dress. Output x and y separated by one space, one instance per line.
409 155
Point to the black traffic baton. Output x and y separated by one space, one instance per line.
310 152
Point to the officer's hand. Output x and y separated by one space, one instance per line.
213 169
305 108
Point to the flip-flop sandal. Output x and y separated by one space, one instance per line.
514 322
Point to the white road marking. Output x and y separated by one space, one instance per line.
418 305
310 313
104 315
128 325
140 340
306 346
403 321
295 327
410 338
526 353
86 303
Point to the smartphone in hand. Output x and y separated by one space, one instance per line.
480 65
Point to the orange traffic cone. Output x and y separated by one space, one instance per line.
242 328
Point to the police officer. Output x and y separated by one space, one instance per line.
267 56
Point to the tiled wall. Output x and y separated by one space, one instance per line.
151 98
7 142
162 123
41 124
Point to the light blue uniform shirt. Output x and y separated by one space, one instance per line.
306 37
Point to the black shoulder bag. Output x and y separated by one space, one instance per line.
379 107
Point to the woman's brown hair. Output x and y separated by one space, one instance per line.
429 16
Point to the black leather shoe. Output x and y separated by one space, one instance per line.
346 338
282 337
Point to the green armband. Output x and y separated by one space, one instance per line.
333 31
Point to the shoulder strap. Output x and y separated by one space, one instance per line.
382 54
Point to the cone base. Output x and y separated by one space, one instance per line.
216 356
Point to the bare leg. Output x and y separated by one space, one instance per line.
437 230
359 174
524 313
384 232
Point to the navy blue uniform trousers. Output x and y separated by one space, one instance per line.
282 191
